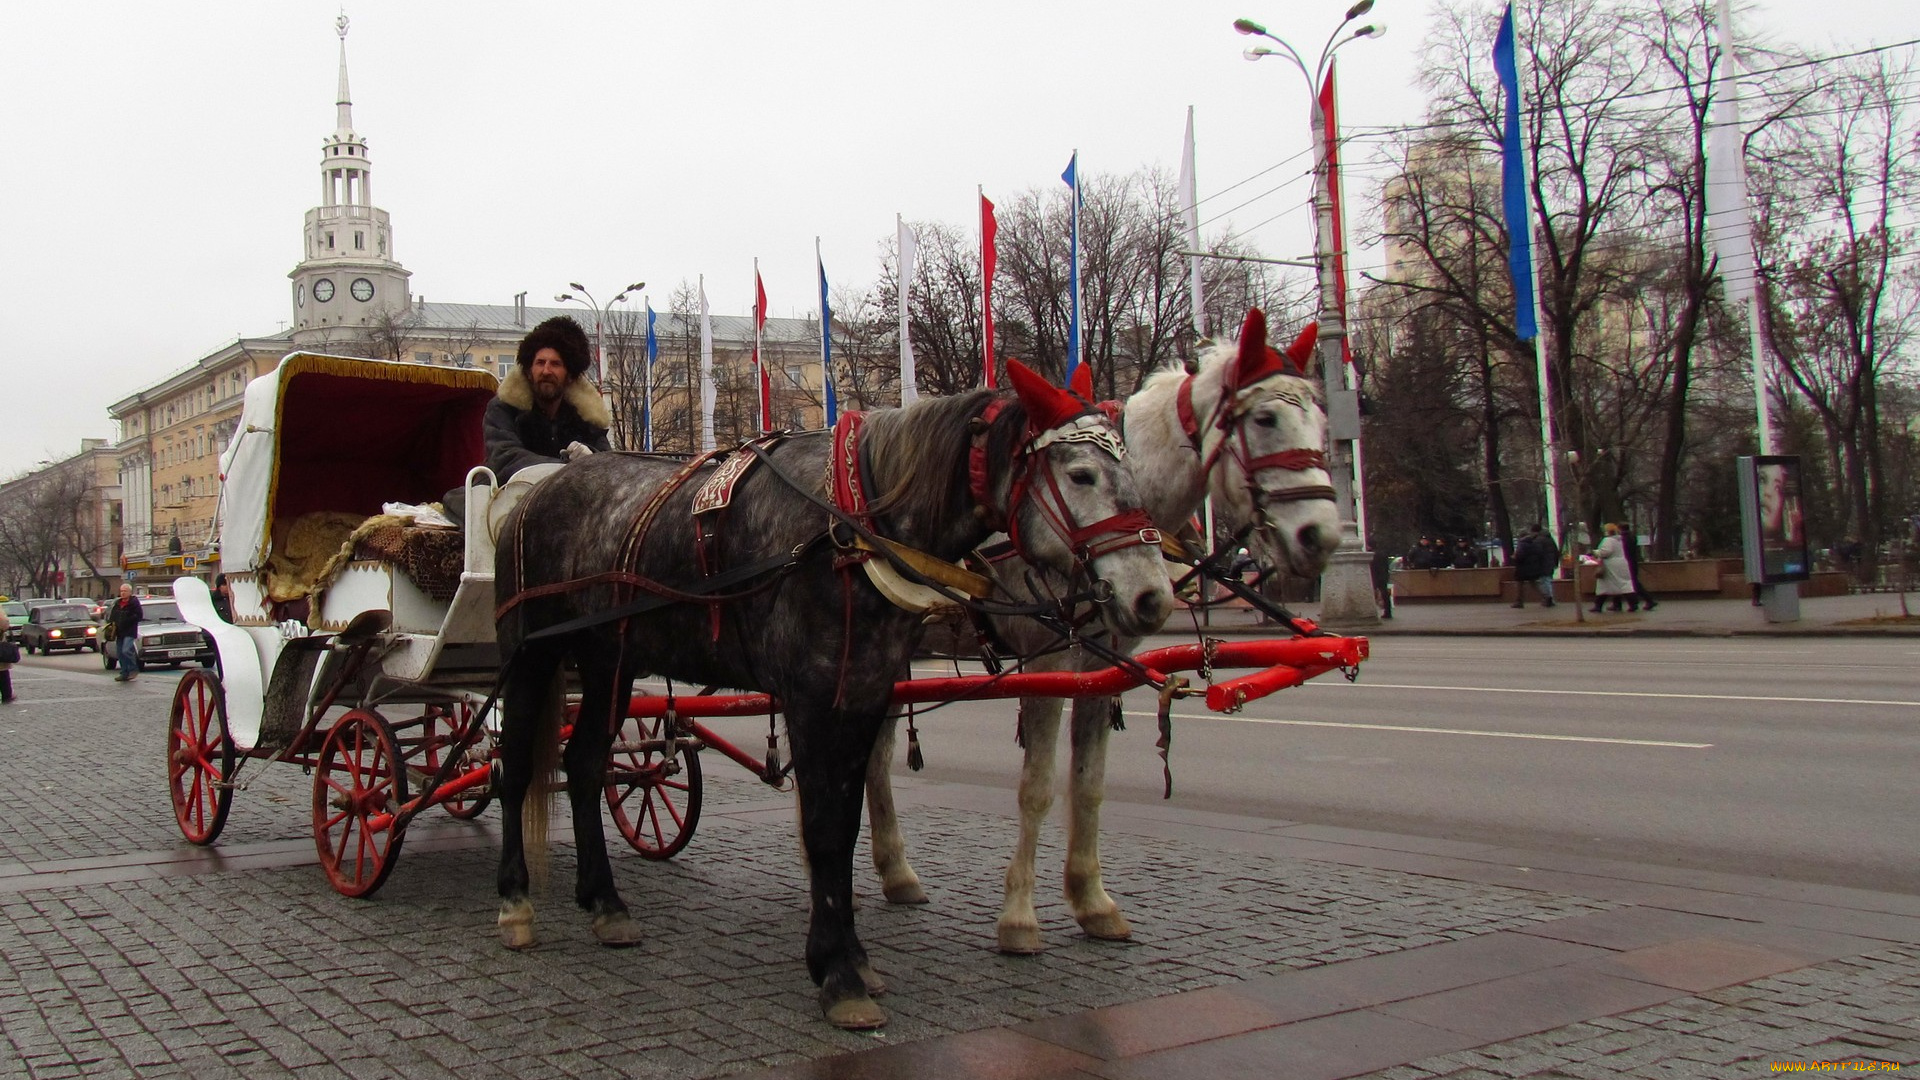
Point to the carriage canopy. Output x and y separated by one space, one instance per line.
333 433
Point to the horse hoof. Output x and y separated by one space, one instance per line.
1107 926
1020 940
906 892
616 930
854 1014
516 924
876 984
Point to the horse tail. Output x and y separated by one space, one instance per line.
545 775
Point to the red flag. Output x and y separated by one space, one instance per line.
759 323
1332 136
989 229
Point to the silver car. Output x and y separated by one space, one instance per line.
165 638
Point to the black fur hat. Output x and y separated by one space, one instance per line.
563 336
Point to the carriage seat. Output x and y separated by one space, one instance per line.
310 551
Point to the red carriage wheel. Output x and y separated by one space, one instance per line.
359 784
199 757
654 796
440 735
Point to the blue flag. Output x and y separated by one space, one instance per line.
646 399
826 343
1513 184
1072 178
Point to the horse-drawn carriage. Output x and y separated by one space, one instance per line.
370 648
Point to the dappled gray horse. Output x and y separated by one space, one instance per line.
791 614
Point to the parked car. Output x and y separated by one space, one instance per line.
59 626
16 617
94 607
165 638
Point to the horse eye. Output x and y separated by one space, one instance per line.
1083 477
1266 419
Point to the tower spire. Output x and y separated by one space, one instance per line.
344 102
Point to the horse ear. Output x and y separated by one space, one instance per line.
1253 347
1082 382
1300 353
1047 405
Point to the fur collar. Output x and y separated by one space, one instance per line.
517 391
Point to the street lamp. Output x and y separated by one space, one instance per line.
599 316
1346 589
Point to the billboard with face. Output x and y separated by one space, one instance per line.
1773 520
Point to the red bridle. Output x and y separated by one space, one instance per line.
1229 417
1129 527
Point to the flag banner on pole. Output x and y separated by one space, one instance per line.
706 370
646 399
1729 222
989 259
1190 227
1513 184
765 385
1072 178
1335 196
909 256
826 341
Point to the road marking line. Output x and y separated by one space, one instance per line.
1624 693
1437 731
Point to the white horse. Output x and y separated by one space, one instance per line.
1248 428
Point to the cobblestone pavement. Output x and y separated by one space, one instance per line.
125 952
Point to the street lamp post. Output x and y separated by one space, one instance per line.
1346 588
599 316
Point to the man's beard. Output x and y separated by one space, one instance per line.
546 393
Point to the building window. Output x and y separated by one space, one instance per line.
329 241
359 240
423 358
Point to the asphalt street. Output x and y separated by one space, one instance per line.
1788 758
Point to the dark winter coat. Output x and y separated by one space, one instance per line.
1535 557
126 615
519 435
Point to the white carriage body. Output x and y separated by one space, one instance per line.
343 436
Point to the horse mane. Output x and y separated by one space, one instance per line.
918 454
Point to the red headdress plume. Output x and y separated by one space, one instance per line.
1082 382
1301 351
1048 406
1257 358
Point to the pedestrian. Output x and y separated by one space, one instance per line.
1534 561
1614 580
1382 582
9 653
125 618
1632 548
222 598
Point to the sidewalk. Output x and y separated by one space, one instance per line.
1865 613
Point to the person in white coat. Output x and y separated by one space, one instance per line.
1615 580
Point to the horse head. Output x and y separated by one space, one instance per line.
1072 506
1269 438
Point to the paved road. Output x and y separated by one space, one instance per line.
1788 758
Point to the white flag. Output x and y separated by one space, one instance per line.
1729 226
1190 222
909 255
706 369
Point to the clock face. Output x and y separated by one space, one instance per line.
300 295
323 290
362 289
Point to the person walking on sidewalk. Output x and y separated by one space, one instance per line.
125 615
1615 581
1534 561
1632 548
6 666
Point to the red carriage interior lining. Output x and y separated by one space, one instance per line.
344 449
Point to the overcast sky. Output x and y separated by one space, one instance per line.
161 157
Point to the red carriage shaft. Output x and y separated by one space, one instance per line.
1283 663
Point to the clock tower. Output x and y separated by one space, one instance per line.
349 279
